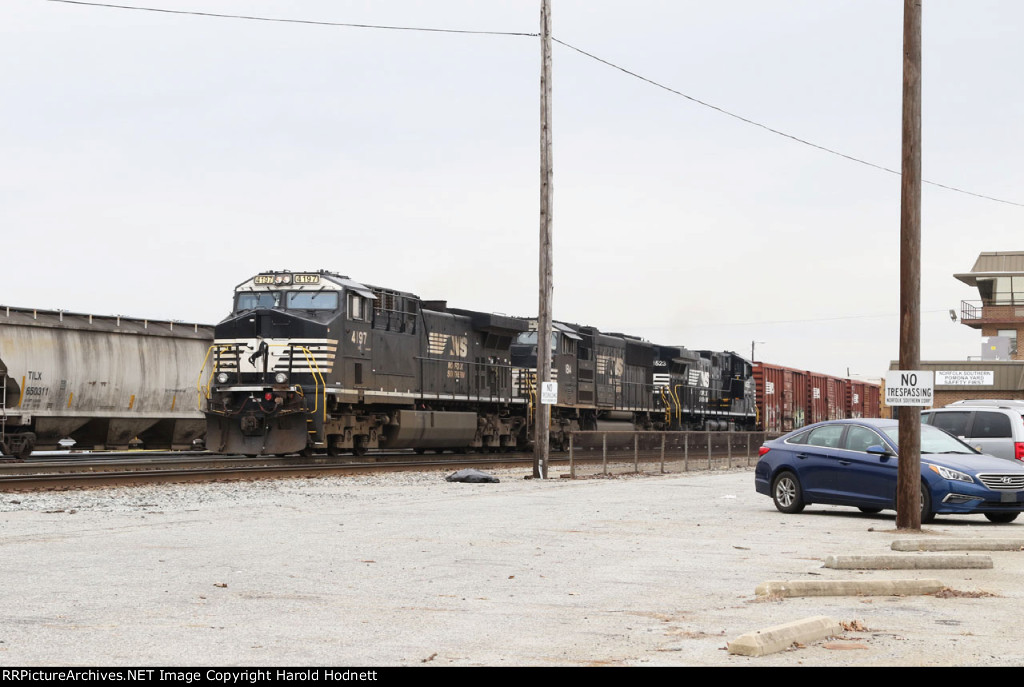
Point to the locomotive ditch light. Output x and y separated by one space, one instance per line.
222 378
281 378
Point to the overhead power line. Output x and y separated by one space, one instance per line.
292 21
607 63
774 131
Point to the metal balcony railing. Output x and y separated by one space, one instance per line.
991 311
971 310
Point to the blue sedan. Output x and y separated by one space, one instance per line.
853 463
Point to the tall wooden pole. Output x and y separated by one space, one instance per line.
543 411
908 497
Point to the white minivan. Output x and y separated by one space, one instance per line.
992 426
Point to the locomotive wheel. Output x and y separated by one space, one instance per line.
332 448
359 446
420 451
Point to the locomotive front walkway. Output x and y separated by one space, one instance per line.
412 570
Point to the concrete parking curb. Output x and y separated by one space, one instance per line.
912 562
958 545
773 639
794 588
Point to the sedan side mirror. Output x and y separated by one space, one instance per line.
879 450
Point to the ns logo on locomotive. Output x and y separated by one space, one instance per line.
312 361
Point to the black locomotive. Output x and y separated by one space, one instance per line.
315 361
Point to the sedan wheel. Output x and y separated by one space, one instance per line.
1001 517
927 514
787 494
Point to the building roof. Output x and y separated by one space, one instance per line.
1002 264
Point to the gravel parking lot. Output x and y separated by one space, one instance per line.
408 569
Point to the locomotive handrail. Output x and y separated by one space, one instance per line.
315 369
665 398
531 394
204 392
318 378
679 404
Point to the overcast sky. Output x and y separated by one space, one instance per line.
149 162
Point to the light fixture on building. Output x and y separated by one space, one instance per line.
952 314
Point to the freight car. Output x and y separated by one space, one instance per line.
315 360
789 398
106 382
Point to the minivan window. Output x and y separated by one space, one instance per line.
954 423
991 426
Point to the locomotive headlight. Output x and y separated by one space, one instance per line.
280 378
222 378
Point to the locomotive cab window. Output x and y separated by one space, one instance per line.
527 338
312 300
253 300
356 307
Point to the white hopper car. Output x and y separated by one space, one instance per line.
103 381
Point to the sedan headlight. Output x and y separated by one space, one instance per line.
949 473
280 378
222 378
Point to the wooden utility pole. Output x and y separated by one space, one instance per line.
908 491
542 412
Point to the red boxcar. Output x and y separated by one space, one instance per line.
781 397
872 400
788 398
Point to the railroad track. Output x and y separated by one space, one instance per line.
30 476
101 470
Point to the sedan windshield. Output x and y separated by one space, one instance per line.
934 440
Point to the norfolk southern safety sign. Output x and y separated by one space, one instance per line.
909 388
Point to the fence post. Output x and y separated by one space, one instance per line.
604 452
636 452
686 451
708 434
663 453
572 464
729 450
748 449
